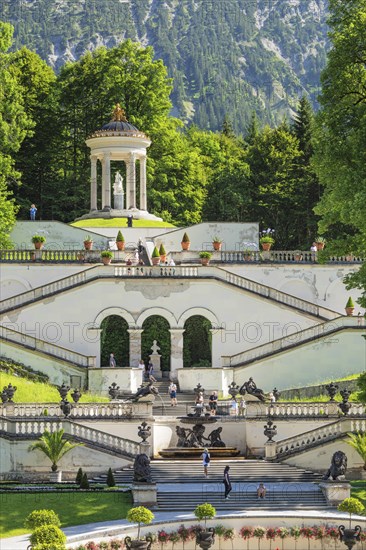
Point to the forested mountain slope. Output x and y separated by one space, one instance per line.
226 56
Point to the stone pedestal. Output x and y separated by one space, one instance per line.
155 358
145 448
144 494
270 449
176 354
56 477
118 201
135 346
335 491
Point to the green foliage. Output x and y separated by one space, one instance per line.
162 251
38 239
351 506
84 482
204 512
216 239
155 253
358 442
156 328
115 339
22 371
205 254
267 239
139 515
53 446
197 342
41 517
79 476
120 238
110 478
185 238
88 239
361 383
320 239
350 302
48 535
106 254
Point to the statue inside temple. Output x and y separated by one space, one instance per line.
118 184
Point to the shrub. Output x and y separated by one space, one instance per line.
37 518
204 512
38 239
155 253
246 532
295 532
205 254
259 532
88 239
163 537
352 506
350 302
84 482
48 535
162 250
216 239
139 515
79 476
185 238
271 533
106 254
120 238
320 239
110 478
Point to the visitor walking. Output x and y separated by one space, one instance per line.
33 212
150 370
112 361
205 461
227 482
212 403
173 394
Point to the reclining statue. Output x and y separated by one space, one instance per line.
149 389
250 387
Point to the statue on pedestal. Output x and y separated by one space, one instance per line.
118 184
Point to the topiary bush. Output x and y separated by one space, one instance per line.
204 512
155 253
37 518
350 302
84 482
185 238
110 478
48 535
139 515
162 250
79 476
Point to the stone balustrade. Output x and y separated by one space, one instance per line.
79 410
105 440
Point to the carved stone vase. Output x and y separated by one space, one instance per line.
205 539
350 537
138 544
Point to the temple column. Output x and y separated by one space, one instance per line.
143 197
107 181
93 183
135 345
132 180
102 162
127 195
176 353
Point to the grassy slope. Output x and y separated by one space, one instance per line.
72 508
36 392
119 223
358 490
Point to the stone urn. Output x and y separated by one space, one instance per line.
76 394
66 407
331 390
10 391
205 538
113 390
270 430
63 391
350 537
138 544
4 396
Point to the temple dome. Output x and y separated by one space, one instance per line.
118 126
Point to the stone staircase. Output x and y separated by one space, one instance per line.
182 485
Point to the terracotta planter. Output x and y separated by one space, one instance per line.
38 246
349 311
298 257
266 246
320 246
248 257
185 246
106 261
216 245
120 245
205 261
155 261
88 245
163 258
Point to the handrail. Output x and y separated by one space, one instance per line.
288 342
284 257
65 354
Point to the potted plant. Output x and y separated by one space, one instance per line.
350 307
205 257
266 240
352 506
106 256
320 243
205 538
88 243
186 243
120 241
298 256
54 447
38 241
139 515
216 243
162 253
155 256
248 257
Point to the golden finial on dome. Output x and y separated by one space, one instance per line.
119 113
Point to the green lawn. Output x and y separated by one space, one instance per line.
72 508
38 392
358 490
119 223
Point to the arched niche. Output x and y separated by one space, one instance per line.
197 342
156 327
114 339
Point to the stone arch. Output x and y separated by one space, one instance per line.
156 327
202 311
114 311
13 286
161 312
299 288
336 295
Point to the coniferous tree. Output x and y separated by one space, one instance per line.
110 478
79 476
84 482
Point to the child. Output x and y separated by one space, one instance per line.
32 212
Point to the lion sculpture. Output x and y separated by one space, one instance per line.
338 467
142 469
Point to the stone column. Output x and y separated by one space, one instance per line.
216 334
143 195
176 354
131 178
107 181
127 194
135 345
93 183
102 161
93 335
